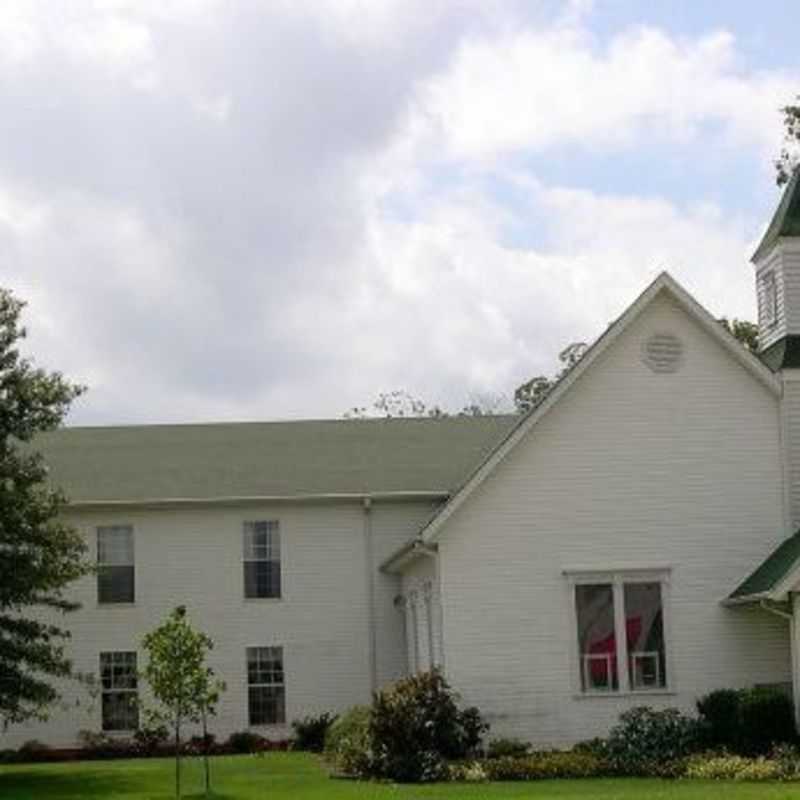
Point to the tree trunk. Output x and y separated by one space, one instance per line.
178 760
206 766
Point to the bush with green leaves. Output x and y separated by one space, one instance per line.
747 721
347 743
545 766
151 739
766 718
245 742
467 772
719 718
416 727
596 747
101 745
507 747
650 743
309 732
33 750
727 767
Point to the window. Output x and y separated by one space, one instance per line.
115 575
118 683
266 693
769 299
262 559
594 605
603 611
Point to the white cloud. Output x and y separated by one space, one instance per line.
538 89
294 215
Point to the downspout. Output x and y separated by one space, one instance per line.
372 645
437 616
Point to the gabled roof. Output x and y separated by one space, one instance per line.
663 283
765 582
786 221
268 460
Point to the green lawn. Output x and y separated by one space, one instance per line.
299 777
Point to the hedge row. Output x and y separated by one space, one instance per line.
145 744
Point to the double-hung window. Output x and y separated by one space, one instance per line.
118 682
262 559
266 691
115 565
621 635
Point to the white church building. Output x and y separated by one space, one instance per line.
630 541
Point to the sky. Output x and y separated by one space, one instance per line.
234 209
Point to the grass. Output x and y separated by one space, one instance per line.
293 776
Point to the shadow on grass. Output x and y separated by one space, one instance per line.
63 785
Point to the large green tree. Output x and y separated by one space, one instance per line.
40 555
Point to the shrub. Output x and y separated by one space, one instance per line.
503 748
733 768
347 742
747 721
467 772
309 732
719 718
201 745
766 718
150 740
544 766
649 742
33 750
596 747
245 742
8 756
101 745
473 726
416 727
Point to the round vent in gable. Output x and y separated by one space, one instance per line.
663 352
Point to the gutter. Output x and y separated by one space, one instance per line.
408 552
238 500
745 600
777 609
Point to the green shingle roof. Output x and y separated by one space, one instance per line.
786 221
268 459
772 571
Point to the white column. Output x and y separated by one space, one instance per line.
794 600
427 594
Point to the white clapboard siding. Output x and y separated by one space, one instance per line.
194 558
676 470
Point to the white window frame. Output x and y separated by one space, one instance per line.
265 685
274 530
769 293
617 578
99 530
116 689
